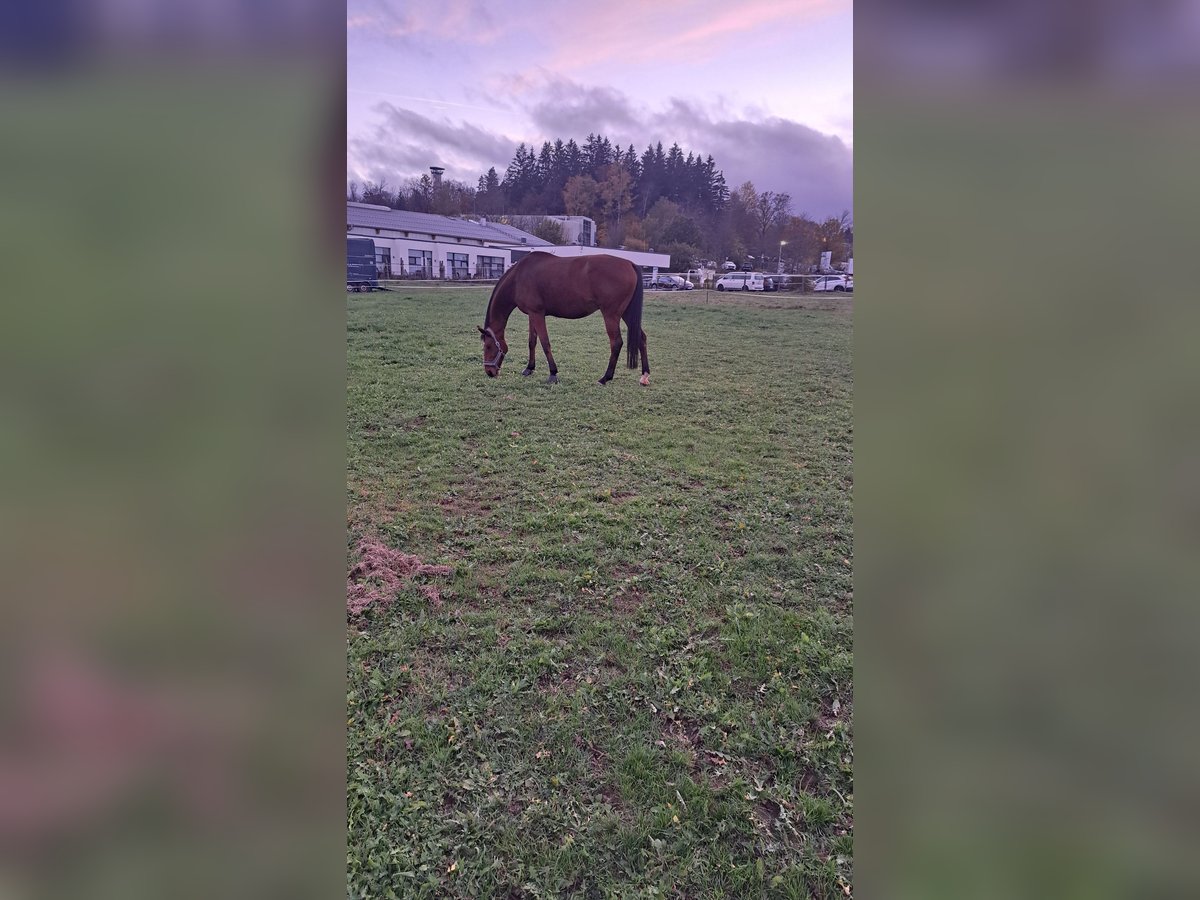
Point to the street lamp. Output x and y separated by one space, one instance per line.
781 243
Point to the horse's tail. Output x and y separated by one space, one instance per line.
633 318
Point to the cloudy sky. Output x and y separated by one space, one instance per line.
765 86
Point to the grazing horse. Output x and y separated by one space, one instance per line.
567 287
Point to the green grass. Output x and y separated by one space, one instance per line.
637 679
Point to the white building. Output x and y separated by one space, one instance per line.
431 246
579 230
424 245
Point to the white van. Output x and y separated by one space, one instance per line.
740 281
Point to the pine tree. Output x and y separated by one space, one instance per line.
573 159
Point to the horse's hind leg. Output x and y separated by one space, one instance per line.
645 379
539 324
532 349
613 325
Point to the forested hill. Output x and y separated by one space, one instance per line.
566 178
669 199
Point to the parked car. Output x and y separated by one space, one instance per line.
833 283
666 283
769 284
740 281
675 283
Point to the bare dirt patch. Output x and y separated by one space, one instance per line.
766 812
555 683
684 732
627 601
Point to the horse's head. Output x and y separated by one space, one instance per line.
494 348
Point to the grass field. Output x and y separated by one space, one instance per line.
633 675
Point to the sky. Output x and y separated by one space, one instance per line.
764 86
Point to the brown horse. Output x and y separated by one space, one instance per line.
572 287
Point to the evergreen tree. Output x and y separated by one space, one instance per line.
489 198
573 159
652 178
674 174
545 162
716 193
521 178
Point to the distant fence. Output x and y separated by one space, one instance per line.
438 284
793 284
401 272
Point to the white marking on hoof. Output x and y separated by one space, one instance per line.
645 380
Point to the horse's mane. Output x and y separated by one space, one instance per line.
487 313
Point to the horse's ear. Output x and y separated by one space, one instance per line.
481 331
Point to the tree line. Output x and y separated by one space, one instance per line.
661 200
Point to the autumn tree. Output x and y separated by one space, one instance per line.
549 230
800 232
581 195
668 223
831 235
379 194
419 194
658 217
770 213
615 194
634 234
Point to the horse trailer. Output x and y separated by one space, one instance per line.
360 264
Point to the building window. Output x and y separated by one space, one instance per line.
489 266
586 233
420 263
457 264
383 262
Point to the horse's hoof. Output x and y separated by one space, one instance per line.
527 372
602 381
553 379
645 380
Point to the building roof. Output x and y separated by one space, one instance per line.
366 215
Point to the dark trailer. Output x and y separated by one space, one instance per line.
360 264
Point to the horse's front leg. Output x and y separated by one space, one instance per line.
532 349
537 321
